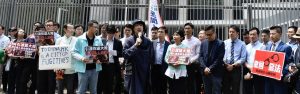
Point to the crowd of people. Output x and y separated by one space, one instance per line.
140 65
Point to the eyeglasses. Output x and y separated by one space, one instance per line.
48 25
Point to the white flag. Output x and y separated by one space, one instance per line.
154 18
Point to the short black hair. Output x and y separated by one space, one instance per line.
111 29
180 32
266 31
56 24
294 27
37 23
92 22
210 27
12 29
154 28
2 27
128 26
66 25
105 25
246 32
256 29
78 25
165 28
234 27
38 28
189 24
278 29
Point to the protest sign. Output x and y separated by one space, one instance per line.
268 64
97 53
54 57
21 49
180 55
44 37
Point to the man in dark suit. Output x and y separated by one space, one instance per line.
211 62
111 71
158 65
273 86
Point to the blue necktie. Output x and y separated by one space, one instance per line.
232 53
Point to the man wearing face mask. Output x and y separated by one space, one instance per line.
137 52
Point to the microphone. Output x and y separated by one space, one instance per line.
139 38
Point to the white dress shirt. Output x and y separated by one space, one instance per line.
194 44
159 52
112 53
251 49
71 41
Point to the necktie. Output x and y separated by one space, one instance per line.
232 53
273 47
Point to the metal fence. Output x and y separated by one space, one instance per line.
221 13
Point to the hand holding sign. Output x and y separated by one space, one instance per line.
268 64
54 57
179 55
97 53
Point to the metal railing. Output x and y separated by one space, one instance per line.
221 13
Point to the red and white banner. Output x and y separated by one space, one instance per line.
268 64
154 18
21 49
180 55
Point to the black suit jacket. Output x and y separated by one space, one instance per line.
116 46
119 48
164 64
216 55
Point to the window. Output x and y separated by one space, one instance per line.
118 13
238 14
170 13
205 2
205 14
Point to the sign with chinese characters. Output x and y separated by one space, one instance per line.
54 57
97 53
180 55
21 49
154 16
268 64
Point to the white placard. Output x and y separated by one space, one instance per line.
54 57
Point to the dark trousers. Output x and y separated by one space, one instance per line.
13 74
68 82
4 79
247 84
119 79
212 84
231 81
255 85
297 88
110 80
33 78
46 82
158 80
177 86
273 86
194 79
28 73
